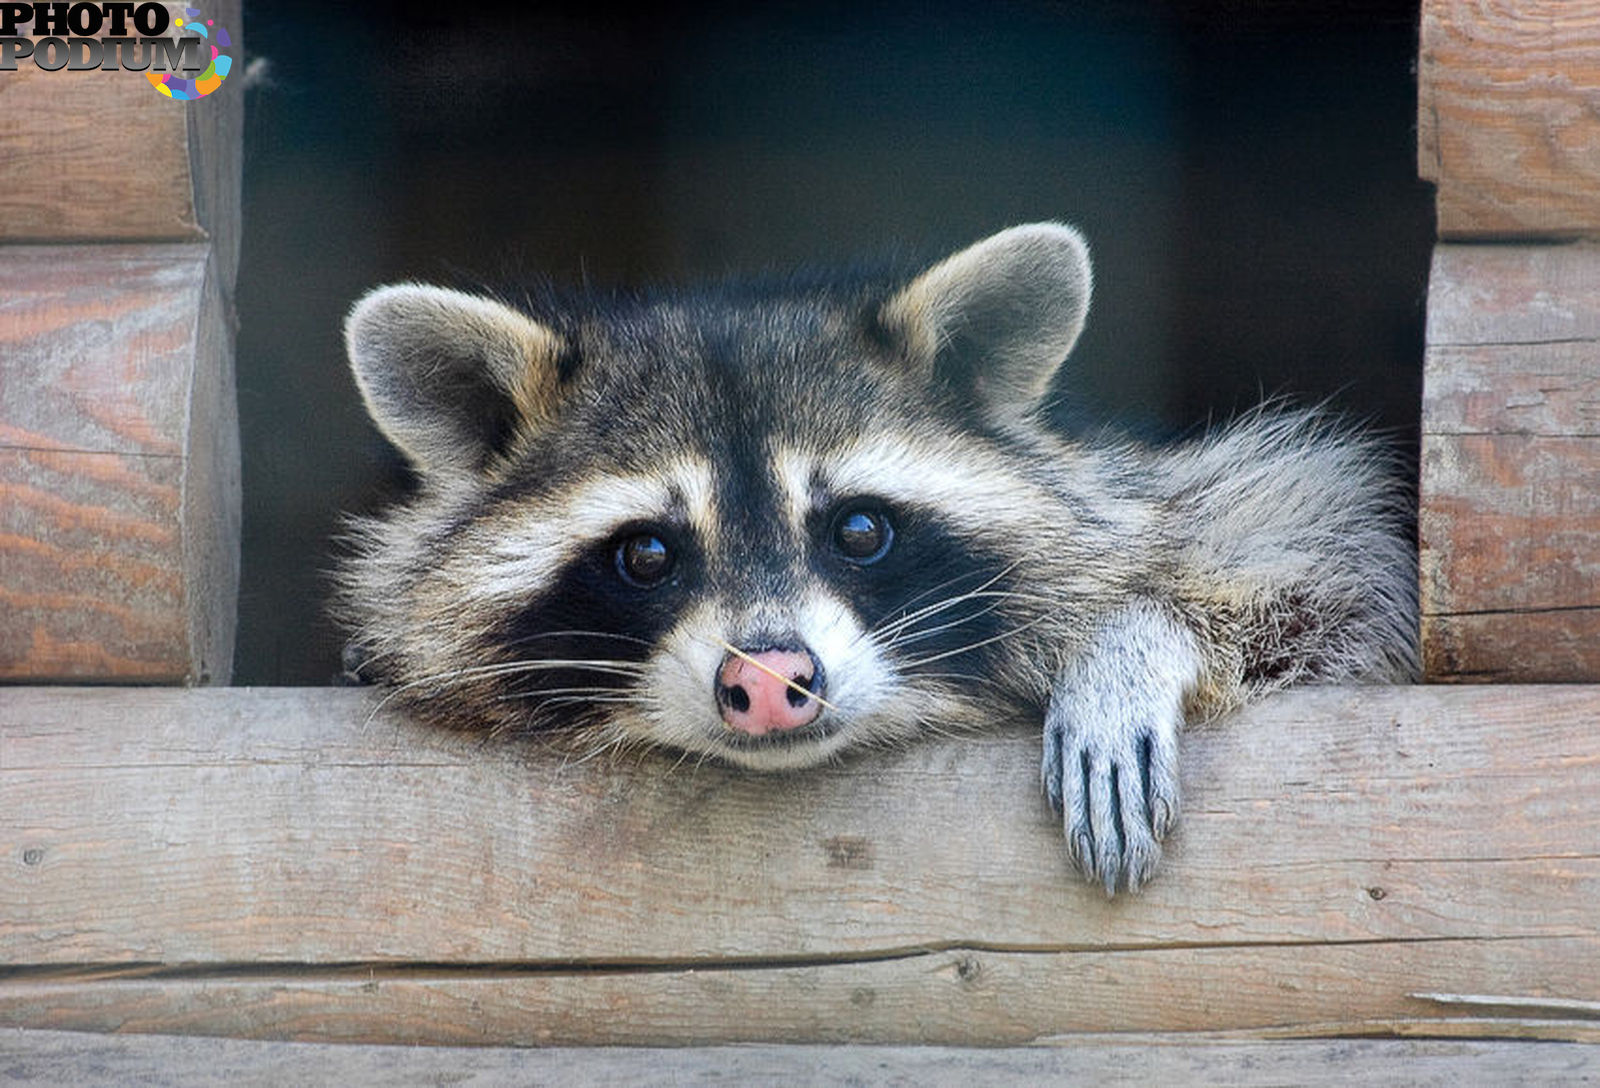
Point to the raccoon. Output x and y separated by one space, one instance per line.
771 522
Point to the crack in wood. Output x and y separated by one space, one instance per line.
1541 435
1566 1007
392 971
1516 611
1531 342
76 452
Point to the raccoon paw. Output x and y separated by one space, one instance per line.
1114 780
355 661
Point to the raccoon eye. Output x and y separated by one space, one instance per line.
862 534
643 559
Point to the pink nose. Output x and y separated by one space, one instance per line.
755 701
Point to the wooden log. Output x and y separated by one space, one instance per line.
73 1058
1510 490
954 997
102 156
119 465
286 864
1506 122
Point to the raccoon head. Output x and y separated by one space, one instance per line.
758 523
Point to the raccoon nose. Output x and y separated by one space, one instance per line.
757 693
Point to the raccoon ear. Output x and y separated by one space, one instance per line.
449 377
997 319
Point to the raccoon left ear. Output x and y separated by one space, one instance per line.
998 318
449 377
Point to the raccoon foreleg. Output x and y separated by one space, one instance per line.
1111 744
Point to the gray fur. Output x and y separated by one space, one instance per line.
1110 592
1015 302
424 357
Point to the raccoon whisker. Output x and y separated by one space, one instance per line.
900 622
992 579
983 594
915 663
458 677
611 744
900 639
599 663
700 757
932 727
579 633
904 617
1044 599
377 708
550 706
615 668
512 668
964 677
573 695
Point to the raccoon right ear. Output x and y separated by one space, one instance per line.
449 377
997 319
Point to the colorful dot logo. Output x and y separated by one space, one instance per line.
186 90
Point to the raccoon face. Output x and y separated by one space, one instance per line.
763 526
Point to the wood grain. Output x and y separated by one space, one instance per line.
1507 126
1547 389
271 863
118 464
1556 646
101 156
1124 1059
1509 523
1513 296
1512 522
956 997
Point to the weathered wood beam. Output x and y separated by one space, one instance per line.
1506 118
1510 491
119 464
284 864
99 156
73 1058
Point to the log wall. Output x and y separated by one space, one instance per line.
1509 132
1506 122
119 489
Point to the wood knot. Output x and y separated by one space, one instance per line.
849 852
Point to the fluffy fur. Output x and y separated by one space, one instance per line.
1109 592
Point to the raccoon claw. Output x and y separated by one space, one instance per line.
1117 792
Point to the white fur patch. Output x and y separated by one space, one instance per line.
524 548
794 469
858 679
681 677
